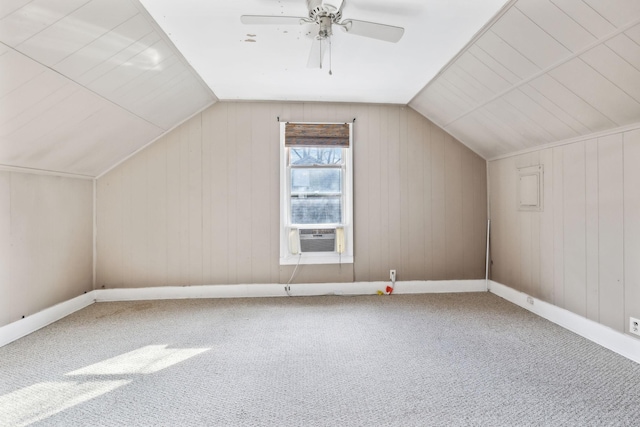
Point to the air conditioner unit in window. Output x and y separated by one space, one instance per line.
318 240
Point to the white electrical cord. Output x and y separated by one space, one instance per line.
287 288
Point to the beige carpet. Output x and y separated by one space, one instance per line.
441 360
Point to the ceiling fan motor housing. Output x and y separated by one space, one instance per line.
325 8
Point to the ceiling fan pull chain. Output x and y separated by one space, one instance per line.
330 72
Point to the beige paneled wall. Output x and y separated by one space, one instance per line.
201 205
46 235
582 252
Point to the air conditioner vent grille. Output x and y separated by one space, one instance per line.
318 240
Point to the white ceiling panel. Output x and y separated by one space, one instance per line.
511 115
440 104
105 48
598 91
573 104
148 60
556 23
488 77
618 12
33 17
507 55
615 68
16 71
634 33
24 98
529 39
75 31
539 115
586 16
123 56
493 64
467 83
561 114
10 6
626 48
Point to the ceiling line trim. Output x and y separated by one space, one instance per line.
486 27
614 131
164 132
36 171
544 71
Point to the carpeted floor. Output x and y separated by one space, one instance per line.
419 360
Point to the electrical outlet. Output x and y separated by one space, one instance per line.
634 326
392 275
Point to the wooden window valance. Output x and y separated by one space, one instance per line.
316 134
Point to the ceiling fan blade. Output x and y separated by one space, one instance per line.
373 30
271 20
317 53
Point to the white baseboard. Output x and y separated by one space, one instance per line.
618 342
32 323
277 290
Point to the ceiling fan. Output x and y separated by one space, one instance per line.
325 14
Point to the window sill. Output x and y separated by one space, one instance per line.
317 258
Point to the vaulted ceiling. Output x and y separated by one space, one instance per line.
85 83
544 71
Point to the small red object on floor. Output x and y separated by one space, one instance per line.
389 290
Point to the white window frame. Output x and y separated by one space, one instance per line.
286 257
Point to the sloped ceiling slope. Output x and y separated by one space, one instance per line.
84 83
543 71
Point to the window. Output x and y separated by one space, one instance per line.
316 193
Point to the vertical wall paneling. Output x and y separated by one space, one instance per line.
46 233
215 130
558 231
362 185
207 202
260 167
588 240
5 248
513 232
233 190
156 213
384 264
174 207
415 190
394 206
275 111
427 213
376 234
453 206
200 206
244 200
592 249
631 226
547 235
611 231
575 297
195 188
405 196
438 213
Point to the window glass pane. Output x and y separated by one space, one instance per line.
316 210
316 180
315 156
